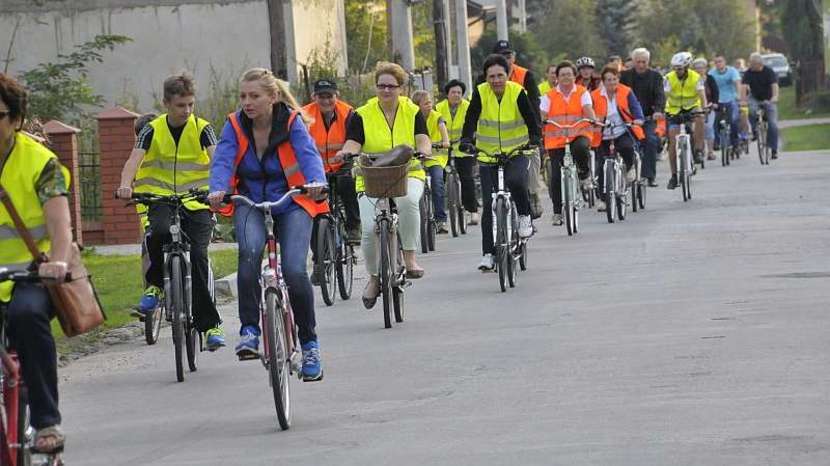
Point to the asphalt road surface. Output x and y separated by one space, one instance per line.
691 334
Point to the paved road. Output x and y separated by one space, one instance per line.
803 122
689 334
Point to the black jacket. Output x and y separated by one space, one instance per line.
648 87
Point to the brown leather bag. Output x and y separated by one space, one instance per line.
76 303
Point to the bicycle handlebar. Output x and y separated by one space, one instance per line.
25 276
266 206
572 126
152 198
502 155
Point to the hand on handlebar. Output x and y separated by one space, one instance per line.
124 192
317 191
216 199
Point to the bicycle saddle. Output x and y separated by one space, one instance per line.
399 155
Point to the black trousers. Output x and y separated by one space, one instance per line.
466 173
28 315
348 196
624 145
581 153
197 226
515 180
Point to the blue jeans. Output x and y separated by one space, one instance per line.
436 174
729 110
293 229
651 146
772 121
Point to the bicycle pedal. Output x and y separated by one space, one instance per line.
247 356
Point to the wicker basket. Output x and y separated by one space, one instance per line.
381 182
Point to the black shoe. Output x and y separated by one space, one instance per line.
698 157
672 182
774 156
652 183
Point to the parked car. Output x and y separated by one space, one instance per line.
781 66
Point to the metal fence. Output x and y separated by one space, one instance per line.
89 168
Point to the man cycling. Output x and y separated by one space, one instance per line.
173 155
550 80
647 85
762 85
587 77
730 90
685 93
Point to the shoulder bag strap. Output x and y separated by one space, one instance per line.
21 227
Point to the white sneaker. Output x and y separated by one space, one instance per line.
474 218
525 226
630 175
601 206
487 263
556 220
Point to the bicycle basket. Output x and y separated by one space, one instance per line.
379 182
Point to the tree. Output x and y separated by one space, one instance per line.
366 30
616 19
567 28
803 19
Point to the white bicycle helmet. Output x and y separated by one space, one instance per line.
683 59
585 61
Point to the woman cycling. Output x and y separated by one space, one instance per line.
37 185
437 128
500 118
383 122
264 150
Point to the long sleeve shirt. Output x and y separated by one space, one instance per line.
529 114
648 87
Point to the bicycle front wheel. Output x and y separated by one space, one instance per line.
177 300
502 249
278 360
385 270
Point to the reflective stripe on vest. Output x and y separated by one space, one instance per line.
683 94
601 111
329 141
501 126
565 112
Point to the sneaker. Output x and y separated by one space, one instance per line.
601 206
487 263
248 347
215 338
631 175
698 156
711 156
312 368
525 226
441 228
556 220
672 182
149 300
474 218
774 155
371 292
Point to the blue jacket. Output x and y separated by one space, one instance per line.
262 180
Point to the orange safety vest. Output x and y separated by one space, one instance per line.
329 141
290 167
517 74
565 113
601 109
660 129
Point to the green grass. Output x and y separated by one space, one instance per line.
788 111
119 283
811 137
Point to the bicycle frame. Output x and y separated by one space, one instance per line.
11 383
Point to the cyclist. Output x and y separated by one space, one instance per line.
550 80
172 154
762 89
565 104
437 128
454 111
702 67
264 150
500 119
615 61
331 117
587 77
526 79
685 92
647 85
730 92
384 121
38 186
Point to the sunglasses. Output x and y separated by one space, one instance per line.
387 87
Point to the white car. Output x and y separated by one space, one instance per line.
781 66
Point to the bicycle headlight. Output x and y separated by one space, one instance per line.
174 229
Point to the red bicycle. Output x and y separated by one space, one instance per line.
16 434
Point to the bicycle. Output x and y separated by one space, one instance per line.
614 188
724 132
570 179
684 163
429 225
763 128
177 294
511 249
281 342
455 208
640 185
334 256
16 432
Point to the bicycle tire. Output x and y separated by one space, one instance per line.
326 258
397 290
610 207
385 274
452 204
24 454
500 240
176 311
641 196
523 257
621 208
432 231
277 351
512 259
724 152
424 224
635 186
345 270
191 338
462 220
152 324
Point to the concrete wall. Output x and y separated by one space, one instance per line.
198 35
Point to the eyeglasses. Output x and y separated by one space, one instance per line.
4 115
387 87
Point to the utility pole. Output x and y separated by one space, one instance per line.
462 42
400 30
277 29
442 59
523 16
501 20
448 28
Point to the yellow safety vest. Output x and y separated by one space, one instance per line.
441 155
683 94
454 123
544 87
380 138
22 170
501 126
168 168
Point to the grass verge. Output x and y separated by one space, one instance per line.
788 111
811 137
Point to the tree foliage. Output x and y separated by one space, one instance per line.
568 28
616 20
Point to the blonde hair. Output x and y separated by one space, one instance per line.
393 69
275 87
419 95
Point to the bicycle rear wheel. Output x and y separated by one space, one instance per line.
277 357
345 269
25 432
152 324
502 251
452 204
512 256
635 188
326 251
641 195
523 256
621 207
385 274
191 338
177 312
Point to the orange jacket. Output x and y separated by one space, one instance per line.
601 110
329 141
565 113
517 74
290 167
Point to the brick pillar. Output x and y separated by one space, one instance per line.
117 137
64 142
